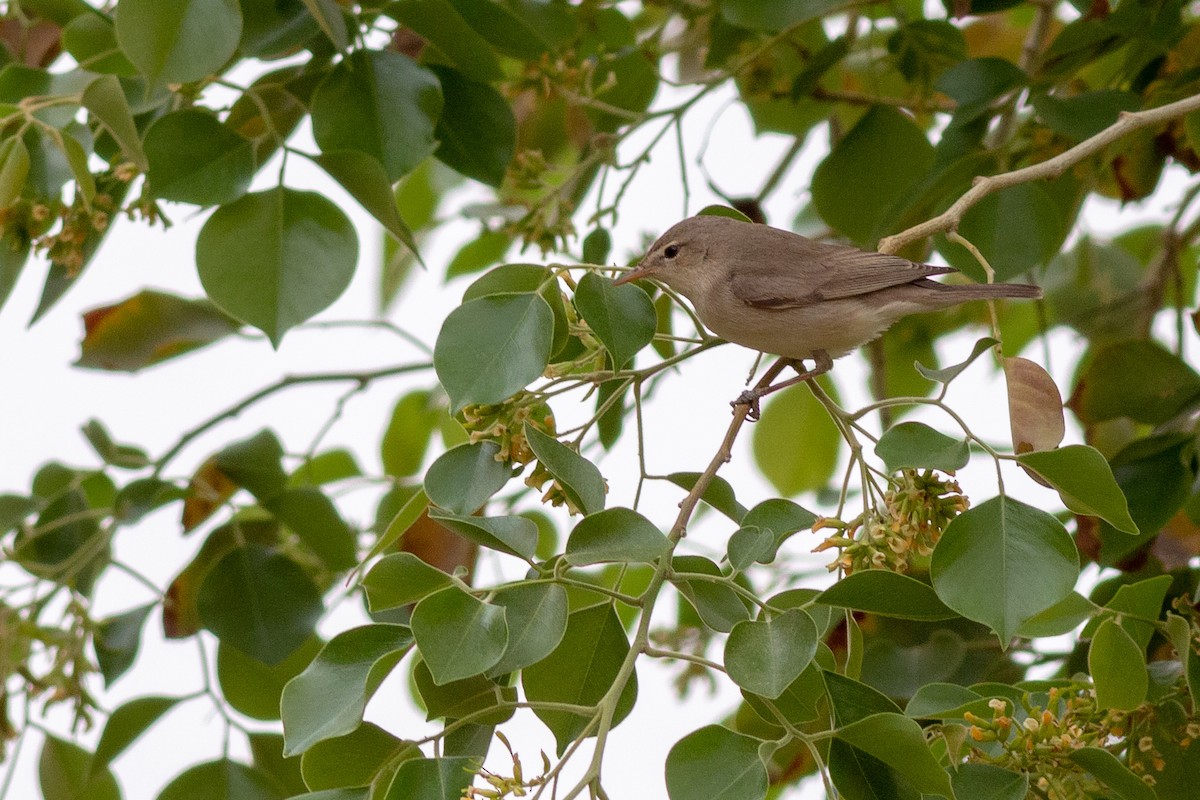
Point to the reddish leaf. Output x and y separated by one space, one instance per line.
1035 407
207 491
147 328
438 546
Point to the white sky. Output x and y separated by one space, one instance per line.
48 400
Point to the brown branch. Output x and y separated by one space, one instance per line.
1052 168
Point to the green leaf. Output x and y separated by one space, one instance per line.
477 133
464 477
254 688
484 251
580 480
773 16
304 254
14 168
914 445
330 466
748 545
267 752
328 698
259 601
222 780
329 17
116 641
409 430
1118 668
1084 115
888 594
364 178
615 535
77 157
536 614
382 103
976 82
580 671
1023 555
91 39
491 347
622 317
458 636
400 579
782 518
273 30
504 28
408 514
764 656
310 514
1063 617
723 211
106 101
64 773
515 535
1016 229
354 759
947 374
1109 770
255 464
898 742
178 41
1135 379
717 764
523 278
1085 482
796 444
485 700
432 778
853 700
126 723
1135 602
148 328
975 780
65 528
871 169
597 245
946 701
718 494
718 604
440 23
123 456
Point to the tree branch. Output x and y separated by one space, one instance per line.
285 382
1052 168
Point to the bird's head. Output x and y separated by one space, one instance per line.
682 257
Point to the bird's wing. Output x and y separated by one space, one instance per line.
826 272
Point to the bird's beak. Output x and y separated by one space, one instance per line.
634 275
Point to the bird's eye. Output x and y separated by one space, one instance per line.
671 251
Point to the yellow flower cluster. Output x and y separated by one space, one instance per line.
906 525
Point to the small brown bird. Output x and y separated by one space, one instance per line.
778 292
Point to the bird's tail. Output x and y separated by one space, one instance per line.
960 293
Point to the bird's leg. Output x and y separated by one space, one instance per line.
822 363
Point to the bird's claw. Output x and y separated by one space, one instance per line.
749 398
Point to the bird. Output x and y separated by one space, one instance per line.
778 292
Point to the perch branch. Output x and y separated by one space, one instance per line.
1051 168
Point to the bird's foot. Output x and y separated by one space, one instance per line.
750 398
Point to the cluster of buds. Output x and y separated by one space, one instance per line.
908 523
1049 730
81 224
549 223
500 786
504 424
